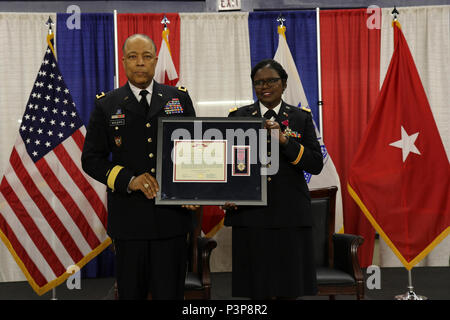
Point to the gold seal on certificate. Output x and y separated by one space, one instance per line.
200 161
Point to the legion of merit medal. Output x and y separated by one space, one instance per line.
241 159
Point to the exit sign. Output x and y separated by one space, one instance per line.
225 5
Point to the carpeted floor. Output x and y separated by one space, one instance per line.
432 282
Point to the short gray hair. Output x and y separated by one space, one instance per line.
139 35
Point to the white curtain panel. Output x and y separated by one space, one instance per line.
427 31
215 68
221 256
23 39
215 61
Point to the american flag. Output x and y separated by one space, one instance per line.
52 216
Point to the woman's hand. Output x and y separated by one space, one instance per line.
273 125
229 205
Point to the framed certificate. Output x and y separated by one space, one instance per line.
210 161
199 161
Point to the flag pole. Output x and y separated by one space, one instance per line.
49 24
410 294
319 73
116 53
54 294
164 22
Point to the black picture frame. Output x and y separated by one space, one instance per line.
242 185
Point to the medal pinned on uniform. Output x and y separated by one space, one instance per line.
118 141
288 132
173 107
241 161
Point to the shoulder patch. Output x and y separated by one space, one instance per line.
305 109
99 96
233 109
182 89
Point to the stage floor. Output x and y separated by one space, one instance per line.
431 282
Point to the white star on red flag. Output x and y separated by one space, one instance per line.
406 143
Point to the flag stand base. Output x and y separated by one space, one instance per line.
410 295
54 294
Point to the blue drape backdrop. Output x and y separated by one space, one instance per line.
86 60
302 40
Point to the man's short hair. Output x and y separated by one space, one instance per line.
138 35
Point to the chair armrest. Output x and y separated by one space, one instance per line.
205 247
346 254
206 244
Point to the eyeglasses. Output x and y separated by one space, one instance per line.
270 82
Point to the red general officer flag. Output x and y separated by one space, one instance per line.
212 220
400 176
149 24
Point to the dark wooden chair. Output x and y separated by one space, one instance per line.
198 278
338 269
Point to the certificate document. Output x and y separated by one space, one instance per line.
200 161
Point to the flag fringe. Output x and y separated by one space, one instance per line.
165 36
419 257
50 37
281 30
216 229
56 282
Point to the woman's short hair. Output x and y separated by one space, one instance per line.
271 64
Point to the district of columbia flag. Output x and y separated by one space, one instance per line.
400 176
295 95
165 71
52 216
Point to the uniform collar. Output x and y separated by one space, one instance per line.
137 90
264 109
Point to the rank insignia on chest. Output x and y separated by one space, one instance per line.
173 107
118 141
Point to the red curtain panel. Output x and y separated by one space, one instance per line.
350 54
149 24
